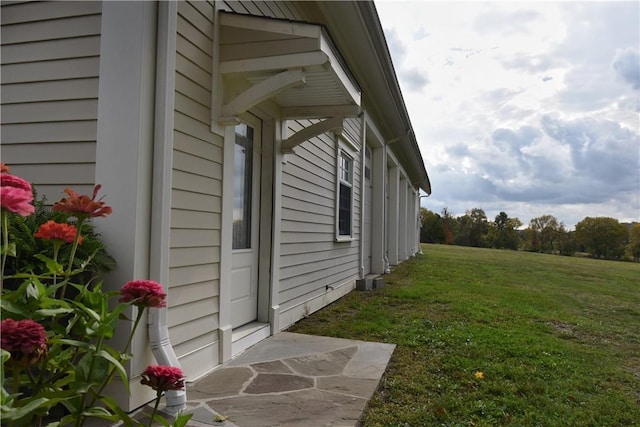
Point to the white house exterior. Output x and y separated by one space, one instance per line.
258 155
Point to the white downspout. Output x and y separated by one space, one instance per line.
161 191
363 190
387 266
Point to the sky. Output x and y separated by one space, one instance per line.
531 108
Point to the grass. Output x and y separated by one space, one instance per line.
487 337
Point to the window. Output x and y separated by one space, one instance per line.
242 191
345 194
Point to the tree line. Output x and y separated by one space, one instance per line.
597 237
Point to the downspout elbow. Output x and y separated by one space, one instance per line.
164 355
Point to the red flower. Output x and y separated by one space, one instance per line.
82 206
52 230
163 378
143 293
26 340
16 195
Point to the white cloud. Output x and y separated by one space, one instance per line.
527 108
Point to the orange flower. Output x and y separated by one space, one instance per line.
4 168
82 207
52 230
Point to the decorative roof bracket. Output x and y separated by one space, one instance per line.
334 124
262 91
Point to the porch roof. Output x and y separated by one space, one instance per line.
294 64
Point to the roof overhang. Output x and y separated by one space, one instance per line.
293 64
357 32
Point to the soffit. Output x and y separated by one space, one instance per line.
291 63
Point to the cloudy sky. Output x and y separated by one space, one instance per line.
530 108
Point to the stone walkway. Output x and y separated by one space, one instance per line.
291 380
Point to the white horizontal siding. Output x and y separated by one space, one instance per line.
311 259
194 258
50 65
272 8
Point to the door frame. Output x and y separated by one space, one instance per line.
250 256
264 228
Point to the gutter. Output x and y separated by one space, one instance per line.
161 191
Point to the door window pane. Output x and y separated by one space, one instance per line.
242 187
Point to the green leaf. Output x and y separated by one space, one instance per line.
10 250
99 412
182 420
118 366
88 311
51 312
32 290
159 419
74 343
10 307
53 266
15 414
83 368
113 405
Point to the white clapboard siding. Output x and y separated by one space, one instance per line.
186 276
39 153
272 8
194 258
310 257
50 64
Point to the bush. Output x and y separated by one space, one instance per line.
56 317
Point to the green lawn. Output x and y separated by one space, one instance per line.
487 337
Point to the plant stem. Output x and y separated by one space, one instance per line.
73 254
155 407
5 245
125 351
16 381
135 326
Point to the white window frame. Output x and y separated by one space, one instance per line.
345 149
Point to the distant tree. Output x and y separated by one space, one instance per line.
543 233
602 237
566 243
633 248
432 228
473 228
449 224
503 232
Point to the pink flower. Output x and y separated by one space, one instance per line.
26 340
82 206
143 293
52 230
8 180
16 195
163 378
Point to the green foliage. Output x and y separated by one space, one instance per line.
432 228
22 230
597 237
555 338
633 248
603 237
56 285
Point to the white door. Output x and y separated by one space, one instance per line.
246 215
